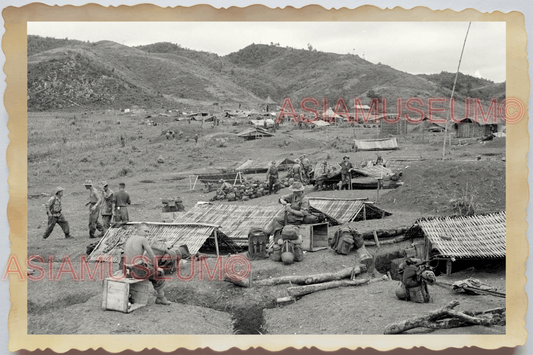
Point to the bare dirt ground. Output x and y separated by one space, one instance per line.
72 306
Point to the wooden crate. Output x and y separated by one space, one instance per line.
116 294
315 236
168 217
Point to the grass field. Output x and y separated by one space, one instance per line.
65 149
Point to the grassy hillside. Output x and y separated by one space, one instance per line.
468 85
105 74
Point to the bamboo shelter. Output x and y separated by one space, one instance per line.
341 211
173 235
478 237
235 221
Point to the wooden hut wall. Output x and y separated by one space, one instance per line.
397 128
472 130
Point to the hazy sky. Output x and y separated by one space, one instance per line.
414 47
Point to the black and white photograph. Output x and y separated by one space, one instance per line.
268 178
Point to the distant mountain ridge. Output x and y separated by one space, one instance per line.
66 74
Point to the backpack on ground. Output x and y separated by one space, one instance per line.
345 239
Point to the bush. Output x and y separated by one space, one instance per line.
466 205
124 172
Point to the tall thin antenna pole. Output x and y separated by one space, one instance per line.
453 91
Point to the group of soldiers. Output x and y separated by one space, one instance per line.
302 171
102 202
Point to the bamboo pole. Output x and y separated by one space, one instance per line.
216 241
451 96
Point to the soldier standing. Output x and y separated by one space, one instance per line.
55 214
122 200
95 201
306 167
108 207
272 178
346 169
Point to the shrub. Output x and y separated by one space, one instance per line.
124 172
466 205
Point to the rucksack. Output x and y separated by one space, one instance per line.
345 239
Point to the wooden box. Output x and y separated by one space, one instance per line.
116 294
168 217
315 236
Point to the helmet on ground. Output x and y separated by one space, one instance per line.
287 257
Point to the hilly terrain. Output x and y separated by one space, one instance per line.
70 74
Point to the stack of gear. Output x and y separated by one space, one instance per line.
172 204
257 243
247 190
415 276
345 239
285 182
288 248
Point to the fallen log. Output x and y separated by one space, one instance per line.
247 282
388 241
420 321
309 279
442 318
305 290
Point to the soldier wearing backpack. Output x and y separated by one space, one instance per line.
272 177
414 278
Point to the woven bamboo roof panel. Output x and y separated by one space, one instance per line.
234 220
341 211
478 236
376 144
173 235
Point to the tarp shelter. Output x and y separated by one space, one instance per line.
235 220
341 211
270 104
255 133
261 166
462 237
173 235
319 123
376 171
266 123
376 144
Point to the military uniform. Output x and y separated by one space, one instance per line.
107 209
306 167
122 200
297 203
272 178
346 175
55 215
95 200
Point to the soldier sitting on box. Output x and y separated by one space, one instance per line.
296 209
139 266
